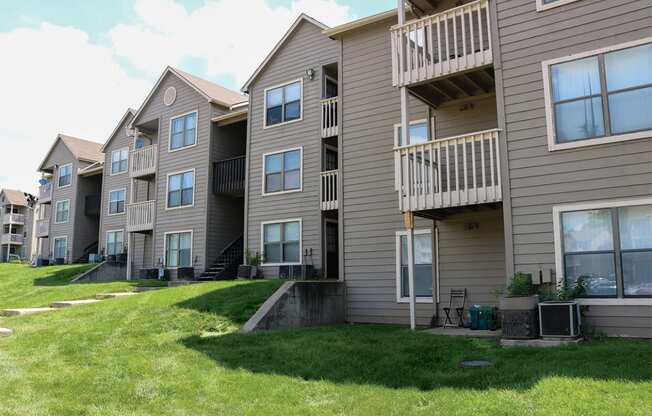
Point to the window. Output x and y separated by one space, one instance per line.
282 171
549 4
422 265
119 161
178 249
117 202
114 243
417 133
283 104
609 248
62 212
183 131
60 247
282 242
65 175
181 189
601 97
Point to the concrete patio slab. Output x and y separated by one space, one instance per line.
463 332
102 296
148 288
6 332
24 311
540 343
70 303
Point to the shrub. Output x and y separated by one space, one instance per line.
521 285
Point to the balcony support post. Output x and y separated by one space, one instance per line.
130 237
408 219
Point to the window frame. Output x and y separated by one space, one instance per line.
435 263
59 186
165 248
122 149
621 298
56 209
108 207
54 242
430 130
262 241
106 246
282 123
167 189
170 149
549 105
264 178
541 6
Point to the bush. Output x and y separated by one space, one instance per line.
521 285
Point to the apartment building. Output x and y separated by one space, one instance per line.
473 140
173 183
17 217
69 197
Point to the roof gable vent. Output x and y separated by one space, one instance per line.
170 96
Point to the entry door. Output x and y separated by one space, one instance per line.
332 249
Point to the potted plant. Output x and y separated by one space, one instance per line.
250 269
520 317
559 311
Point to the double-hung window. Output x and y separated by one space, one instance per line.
60 247
283 104
183 131
181 189
422 265
178 249
282 242
600 97
282 171
549 4
119 161
65 175
417 133
117 202
114 243
62 212
609 249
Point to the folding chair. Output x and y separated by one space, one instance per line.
455 303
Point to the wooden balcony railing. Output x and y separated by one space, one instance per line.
229 176
142 162
329 125
43 228
13 219
140 216
12 239
45 193
328 190
449 172
455 40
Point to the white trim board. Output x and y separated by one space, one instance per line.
262 241
542 7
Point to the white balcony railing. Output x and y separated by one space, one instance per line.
449 172
45 193
441 44
329 126
12 239
13 219
43 228
140 216
328 190
143 161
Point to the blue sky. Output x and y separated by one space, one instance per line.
88 60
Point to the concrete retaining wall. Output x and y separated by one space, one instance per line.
299 304
104 272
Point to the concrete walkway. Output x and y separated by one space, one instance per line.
23 311
5 332
102 296
463 332
69 303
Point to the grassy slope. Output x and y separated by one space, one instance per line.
175 352
23 286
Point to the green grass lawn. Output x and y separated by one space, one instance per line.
177 352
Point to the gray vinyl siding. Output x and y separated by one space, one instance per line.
371 107
306 48
541 179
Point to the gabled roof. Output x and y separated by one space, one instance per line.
84 150
14 197
209 90
129 112
356 24
302 17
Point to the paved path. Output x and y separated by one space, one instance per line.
102 296
23 311
5 332
69 303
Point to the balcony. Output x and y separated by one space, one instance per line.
140 216
12 239
440 45
142 162
18 219
328 190
45 193
450 172
229 176
43 228
329 127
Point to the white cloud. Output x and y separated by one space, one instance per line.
55 80
231 37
